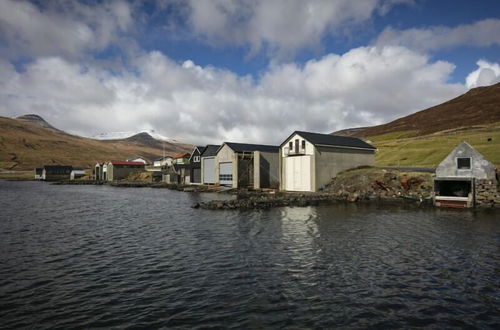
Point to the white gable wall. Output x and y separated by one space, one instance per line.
309 146
481 168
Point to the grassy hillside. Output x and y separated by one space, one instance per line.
397 149
25 145
479 106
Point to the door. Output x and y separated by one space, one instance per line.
196 175
226 174
298 173
208 170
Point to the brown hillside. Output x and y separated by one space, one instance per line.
476 107
25 145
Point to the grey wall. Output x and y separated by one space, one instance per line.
481 168
119 173
331 161
266 169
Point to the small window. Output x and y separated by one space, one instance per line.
463 163
290 145
303 144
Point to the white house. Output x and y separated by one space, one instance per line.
309 161
163 161
137 160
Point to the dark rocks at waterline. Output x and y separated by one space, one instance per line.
266 201
77 182
299 200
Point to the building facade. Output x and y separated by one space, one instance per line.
309 161
241 165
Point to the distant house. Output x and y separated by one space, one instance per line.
309 161
465 179
195 162
38 173
181 158
242 165
77 173
118 170
138 160
162 161
56 172
207 158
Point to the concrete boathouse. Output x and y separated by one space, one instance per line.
466 179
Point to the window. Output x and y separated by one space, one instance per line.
225 177
303 144
463 163
290 145
196 159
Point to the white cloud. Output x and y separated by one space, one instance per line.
364 86
480 34
487 74
281 27
59 28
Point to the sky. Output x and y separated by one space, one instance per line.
248 71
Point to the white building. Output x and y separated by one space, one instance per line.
309 161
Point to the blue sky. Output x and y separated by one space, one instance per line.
247 70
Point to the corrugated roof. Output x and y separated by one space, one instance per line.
210 150
333 140
126 163
244 147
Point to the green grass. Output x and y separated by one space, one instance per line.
430 150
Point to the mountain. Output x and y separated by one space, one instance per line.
479 106
37 120
29 141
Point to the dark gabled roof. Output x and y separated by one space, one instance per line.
333 140
200 150
243 147
210 150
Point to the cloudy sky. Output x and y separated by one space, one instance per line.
242 70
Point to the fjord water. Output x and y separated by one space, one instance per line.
103 257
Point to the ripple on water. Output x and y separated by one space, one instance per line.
89 257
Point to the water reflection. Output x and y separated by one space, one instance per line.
89 257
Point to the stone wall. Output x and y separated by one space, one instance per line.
487 194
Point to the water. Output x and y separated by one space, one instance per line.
103 257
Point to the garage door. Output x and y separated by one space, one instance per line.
298 173
208 170
226 174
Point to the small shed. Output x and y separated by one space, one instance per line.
118 170
465 179
195 162
208 164
309 161
56 172
242 165
77 173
